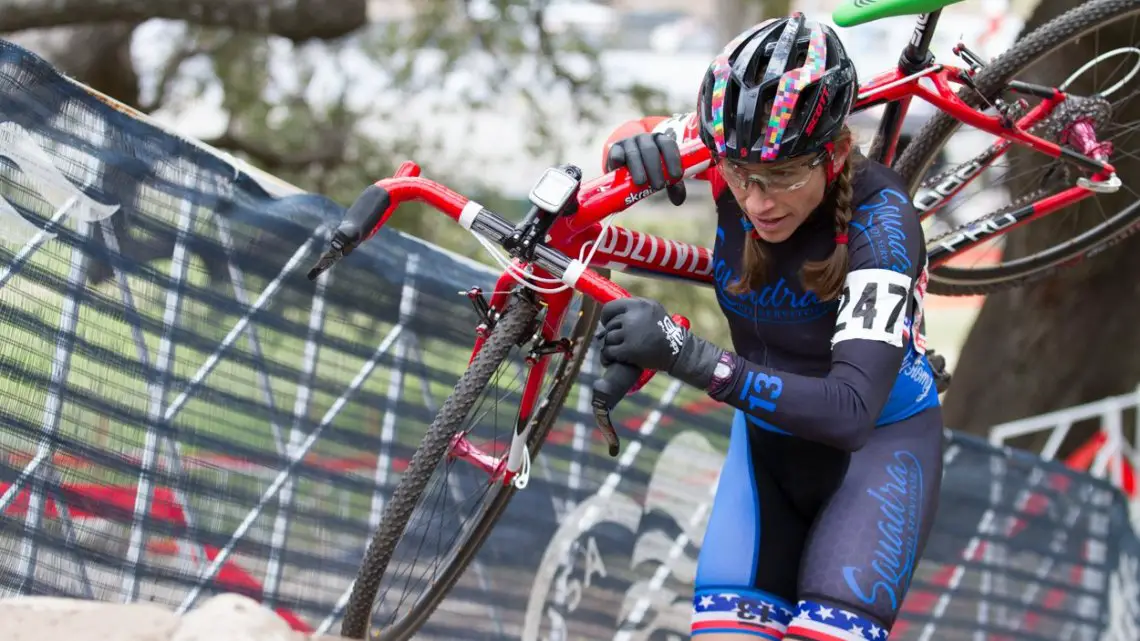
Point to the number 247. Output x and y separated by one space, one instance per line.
866 308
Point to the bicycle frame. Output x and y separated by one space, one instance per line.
647 254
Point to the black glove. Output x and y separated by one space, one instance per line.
942 375
638 331
643 155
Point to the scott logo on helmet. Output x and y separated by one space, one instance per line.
823 95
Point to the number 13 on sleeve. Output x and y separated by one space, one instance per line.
760 391
873 306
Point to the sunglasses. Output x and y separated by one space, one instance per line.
780 181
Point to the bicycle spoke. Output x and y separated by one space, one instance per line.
458 494
1091 56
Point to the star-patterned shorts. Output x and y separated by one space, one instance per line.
753 612
768 617
819 622
812 542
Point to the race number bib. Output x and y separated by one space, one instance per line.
873 306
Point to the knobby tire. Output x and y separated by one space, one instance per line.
991 81
507 332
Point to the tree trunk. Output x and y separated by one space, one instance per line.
1070 338
97 55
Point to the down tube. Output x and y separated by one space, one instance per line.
645 254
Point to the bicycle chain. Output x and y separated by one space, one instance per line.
1020 202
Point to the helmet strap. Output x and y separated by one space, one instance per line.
833 169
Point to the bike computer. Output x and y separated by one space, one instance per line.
553 190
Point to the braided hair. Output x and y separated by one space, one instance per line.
823 277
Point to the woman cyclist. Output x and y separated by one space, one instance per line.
831 480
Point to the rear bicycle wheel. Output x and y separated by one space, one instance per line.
1048 55
370 598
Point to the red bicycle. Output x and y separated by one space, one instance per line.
557 259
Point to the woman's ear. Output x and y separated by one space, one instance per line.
839 156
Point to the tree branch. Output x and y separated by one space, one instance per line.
96 55
581 88
186 51
329 150
550 54
297 20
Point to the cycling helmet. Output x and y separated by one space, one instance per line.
781 89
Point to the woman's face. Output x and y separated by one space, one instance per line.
778 197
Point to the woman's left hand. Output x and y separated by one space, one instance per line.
639 331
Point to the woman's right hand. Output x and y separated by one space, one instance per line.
648 156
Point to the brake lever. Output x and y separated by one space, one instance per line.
331 256
618 381
362 220
608 390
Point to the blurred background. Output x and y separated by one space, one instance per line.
481 93
484 94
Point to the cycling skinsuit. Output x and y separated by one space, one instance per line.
834 465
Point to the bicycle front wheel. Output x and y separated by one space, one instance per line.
433 479
1090 50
